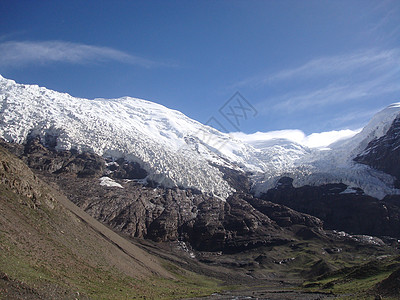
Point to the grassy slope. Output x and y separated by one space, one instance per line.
358 282
47 251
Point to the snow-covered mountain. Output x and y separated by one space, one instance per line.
178 151
337 164
174 149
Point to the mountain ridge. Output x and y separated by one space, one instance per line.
177 151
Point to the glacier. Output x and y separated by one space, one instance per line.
177 151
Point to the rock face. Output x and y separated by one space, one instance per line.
26 186
40 158
384 153
208 224
147 211
341 208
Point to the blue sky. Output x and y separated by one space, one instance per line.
310 65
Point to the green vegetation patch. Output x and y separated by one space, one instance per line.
358 282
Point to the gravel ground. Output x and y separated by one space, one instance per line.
266 294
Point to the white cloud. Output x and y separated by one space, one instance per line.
324 139
314 140
293 135
27 52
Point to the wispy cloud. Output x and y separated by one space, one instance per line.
386 28
11 35
358 119
336 93
371 60
28 52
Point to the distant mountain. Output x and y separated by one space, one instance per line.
176 151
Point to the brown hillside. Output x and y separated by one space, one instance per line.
49 248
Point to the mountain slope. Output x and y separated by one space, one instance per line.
129 128
51 249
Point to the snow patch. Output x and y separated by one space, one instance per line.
350 190
107 181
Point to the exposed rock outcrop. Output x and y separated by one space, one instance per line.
384 153
207 223
33 194
341 208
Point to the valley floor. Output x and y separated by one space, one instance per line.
266 294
